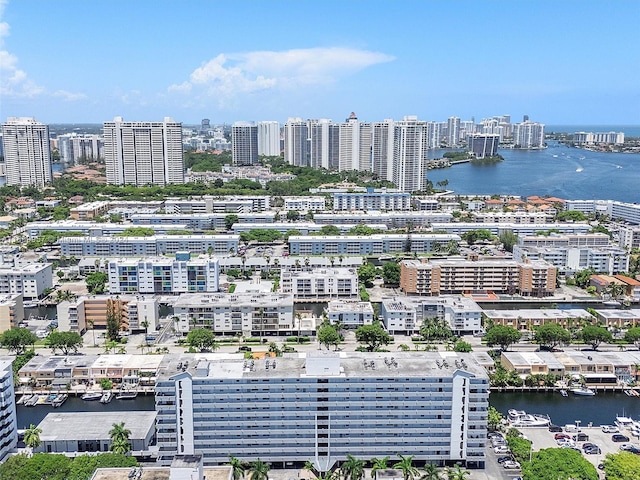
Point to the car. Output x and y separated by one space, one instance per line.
558 436
505 459
563 442
610 429
572 429
511 465
581 437
592 451
244 348
618 437
555 428
601 466
491 435
588 445
502 449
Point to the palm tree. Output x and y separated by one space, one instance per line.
259 470
118 432
457 473
32 436
352 468
238 467
121 447
431 472
409 472
378 464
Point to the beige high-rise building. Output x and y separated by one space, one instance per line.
409 154
27 152
143 153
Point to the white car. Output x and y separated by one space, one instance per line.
610 429
502 449
511 465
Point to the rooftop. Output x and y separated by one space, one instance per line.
94 425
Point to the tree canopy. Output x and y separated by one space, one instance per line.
328 335
472 236
17 339
633 336
329 230
622 466
373 336
502 335
136 232
366 274
391 273
594 335
559 464
435 329
96 282
550 335
202 339
66 342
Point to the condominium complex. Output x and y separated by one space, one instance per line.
350 314
162 275
11 311
74 147
322 406
608 259
591 138
8 419
244 143
296 145
249 314
30 281
370 244
371 200
27 153
409 154
629 237
211 204
143 153
320 283
200 221
483 145
392 219
450 276
528 135
269 138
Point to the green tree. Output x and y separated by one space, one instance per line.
17 339
373 336
462 346
583 276
202 339
259 470
594 335
391 273
230 220
363 230
409 472
114 319
633 336
571 215
622 466
66 342
292 232
96 282
435 329
293 215
457 473
494 418
32 437
42 466
431 472
508 240
366 274
559 463
329 230
84 466
379 464
550 335
119 436
328 335
352 468
502 335
136 232
238 467
472 236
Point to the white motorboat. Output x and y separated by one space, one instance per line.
583 391
564 393
126 395
91 396
107 397
520 419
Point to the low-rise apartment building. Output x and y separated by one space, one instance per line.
200 221
320 283
527 319
556 240
569 260
304 203
321 406
94 229
11 311
371 200
456 276
350 314
370 244
236 313
520 229
392 220
89 211
30 280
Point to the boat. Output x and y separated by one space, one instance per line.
24 398
126 395
628 393
555 156
107 397
50 398
583 391
59 400
32 401
520 418
623 422
564 393
91 396
579 169
42 399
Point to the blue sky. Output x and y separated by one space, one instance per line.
560 62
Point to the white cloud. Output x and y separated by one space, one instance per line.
229 75
69 96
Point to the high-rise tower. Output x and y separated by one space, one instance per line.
244 143
27 152
409 154
143 153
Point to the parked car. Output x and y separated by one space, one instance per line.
581 437
511 465
595 450
244 348
610 429
505 459
618 437
572 429
555 428
502 449
558 436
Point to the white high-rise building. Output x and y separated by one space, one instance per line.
269 138
8 418
528 135
323 143
244 143
409 154
143 153
350 144
453 131
27 152
74 147
296 142
382 149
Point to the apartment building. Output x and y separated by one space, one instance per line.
528 319
211 204
89 211
350 314
30 280
251 314
11 311
322 406
162 275
451 276
371 200
94 229
392 219
519 229
569 260
8 418
304 203
148 246
556 240
370 244
535 218
74 147
320 283
528 135
200 221
409 154
629 237
27 153
135 312
244 143
269 138
143 153
592 138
